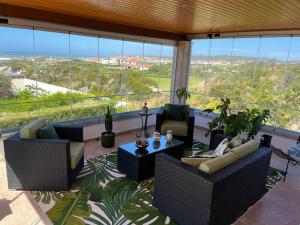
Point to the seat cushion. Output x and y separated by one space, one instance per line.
76 152
47 132
31 129
179 128
218 163
176 112
245 149
195 162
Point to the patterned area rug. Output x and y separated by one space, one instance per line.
102 195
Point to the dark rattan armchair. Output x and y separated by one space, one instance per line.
192 197
42 164
189 121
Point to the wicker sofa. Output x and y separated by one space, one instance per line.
192 197
43 164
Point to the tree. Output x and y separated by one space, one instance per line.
5 87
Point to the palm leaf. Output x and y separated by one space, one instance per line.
139 210
70 209
47 196
114 197
99 169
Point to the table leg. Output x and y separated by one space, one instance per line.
146 128
142 130
286 169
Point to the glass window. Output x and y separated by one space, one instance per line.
63 76
253 72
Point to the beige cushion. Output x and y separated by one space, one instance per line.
245 149
179 128
30 130
195 162
237 153
218 163
236 141
76 152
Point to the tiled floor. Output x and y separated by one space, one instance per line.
278 207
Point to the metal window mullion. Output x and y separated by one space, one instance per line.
159 74
286 63
207 69
98 71
256 62
70 73
37 106
230 62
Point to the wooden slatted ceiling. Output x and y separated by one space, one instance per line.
181 16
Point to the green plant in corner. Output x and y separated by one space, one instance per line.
108 137
256 120
182 93
108 121
248 121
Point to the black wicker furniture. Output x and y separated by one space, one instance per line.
139 164
161 118
42 164
192 197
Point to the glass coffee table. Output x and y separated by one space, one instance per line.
139 164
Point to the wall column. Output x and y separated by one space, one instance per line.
180 68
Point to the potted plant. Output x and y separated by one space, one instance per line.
108 137
230 124
182 93
256 120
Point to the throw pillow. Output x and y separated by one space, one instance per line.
47 132
175 112
236 141
221 147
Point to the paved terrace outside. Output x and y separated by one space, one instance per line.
278 207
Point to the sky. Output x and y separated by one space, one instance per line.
16 41
265 47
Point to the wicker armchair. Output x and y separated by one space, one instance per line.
42 164
192 197
190 120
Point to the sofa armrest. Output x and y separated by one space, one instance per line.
71 132
37 164
180 192
160 118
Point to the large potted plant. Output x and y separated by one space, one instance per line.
108 137
182 93
229 124
256 120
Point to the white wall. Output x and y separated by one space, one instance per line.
21 83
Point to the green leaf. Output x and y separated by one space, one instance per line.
69 209
99 169
46 196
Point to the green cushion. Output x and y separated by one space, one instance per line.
76 153
47 132
30 130
175 112
179 128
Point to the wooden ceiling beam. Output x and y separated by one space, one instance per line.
7 10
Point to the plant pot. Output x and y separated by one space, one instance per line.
108 139
216 136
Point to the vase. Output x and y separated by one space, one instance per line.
169 136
